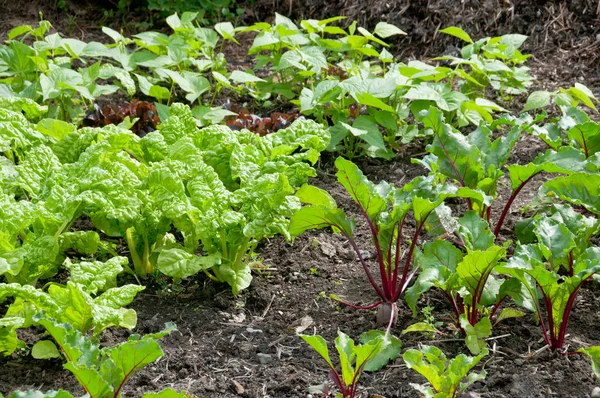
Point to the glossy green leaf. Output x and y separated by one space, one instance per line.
361 190
508 313
385 30
97 275
420 327
475 231
389 351
476 267
476 334
580 189
318 344
537 99
178 263
457 32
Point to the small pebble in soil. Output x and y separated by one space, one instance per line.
328 249
366 254
519 362
348 254
239 389
469 395
264 359
596 392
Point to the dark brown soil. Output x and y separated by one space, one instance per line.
221 339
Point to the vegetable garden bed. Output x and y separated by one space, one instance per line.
466 218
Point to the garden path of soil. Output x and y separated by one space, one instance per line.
222 340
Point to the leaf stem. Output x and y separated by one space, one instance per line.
365 267
508 204
404 280
495 309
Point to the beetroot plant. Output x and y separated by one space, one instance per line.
445 377
476 161
554 268
385 210
465 276
374 352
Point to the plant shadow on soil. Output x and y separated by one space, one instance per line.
246 346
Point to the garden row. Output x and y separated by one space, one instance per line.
86 208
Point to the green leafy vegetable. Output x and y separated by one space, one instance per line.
374 352
445 377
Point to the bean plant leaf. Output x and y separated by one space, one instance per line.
166 393
457 32
385 30
537 99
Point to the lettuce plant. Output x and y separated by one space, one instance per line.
566 99
90 300
375 351
385 211
555 266
102 372
445 377
166 393
226 190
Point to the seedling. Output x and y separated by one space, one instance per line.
445 377
375 351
